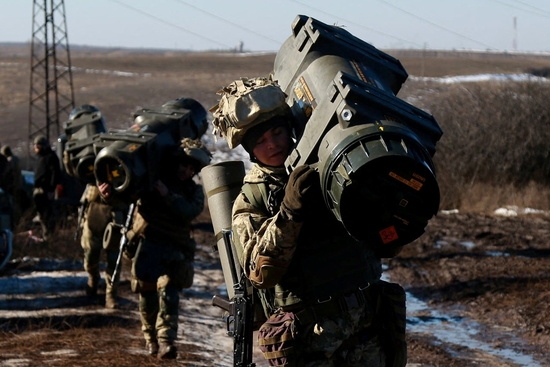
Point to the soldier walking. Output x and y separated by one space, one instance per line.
324 301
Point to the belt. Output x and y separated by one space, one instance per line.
335 305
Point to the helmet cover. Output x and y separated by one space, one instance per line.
245 103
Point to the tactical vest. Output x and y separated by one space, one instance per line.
327 262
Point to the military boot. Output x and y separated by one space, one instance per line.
152 347
167 350
111 301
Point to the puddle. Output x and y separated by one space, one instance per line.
463 332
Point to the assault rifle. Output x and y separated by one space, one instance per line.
123 241
81 212
222 183
240 309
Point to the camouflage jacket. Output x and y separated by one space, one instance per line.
262 236
303 262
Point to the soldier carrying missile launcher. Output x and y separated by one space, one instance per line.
324 301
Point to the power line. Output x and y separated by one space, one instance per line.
237 25
170 24
357 24
435 25
532 9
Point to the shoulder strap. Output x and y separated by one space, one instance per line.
257 194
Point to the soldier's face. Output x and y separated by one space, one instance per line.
273 146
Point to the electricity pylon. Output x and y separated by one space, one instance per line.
51 90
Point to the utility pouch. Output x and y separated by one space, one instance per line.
392 315
277 339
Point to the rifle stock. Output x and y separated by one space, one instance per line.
123 242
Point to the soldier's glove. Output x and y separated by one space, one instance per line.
301 189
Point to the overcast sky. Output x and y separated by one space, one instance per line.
261 25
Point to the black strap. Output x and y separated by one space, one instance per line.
333 306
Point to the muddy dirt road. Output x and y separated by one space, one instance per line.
478 293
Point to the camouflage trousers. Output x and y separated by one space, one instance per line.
158 312
92 245
345 340
365 328
154 277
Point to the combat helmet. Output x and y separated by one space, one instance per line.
80 110
244 104
96 119
193 150
199 123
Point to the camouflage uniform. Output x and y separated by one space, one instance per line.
163 263
311 263
96 218
320 288
47 175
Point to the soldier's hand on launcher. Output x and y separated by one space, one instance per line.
300 192
105 189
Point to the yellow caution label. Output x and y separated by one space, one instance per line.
303 92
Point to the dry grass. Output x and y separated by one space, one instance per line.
484 198
84 346
496 143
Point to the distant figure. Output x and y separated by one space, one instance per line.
14 181
6 207
3 166
47 174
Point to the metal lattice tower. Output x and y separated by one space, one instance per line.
51 90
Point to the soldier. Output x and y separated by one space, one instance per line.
15 186
6 181
163 261
6 199
96 215
319 286
47 175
